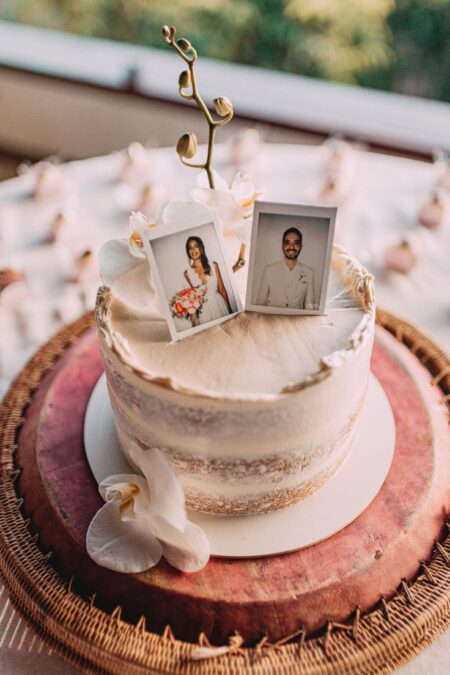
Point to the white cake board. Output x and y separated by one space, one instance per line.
321 515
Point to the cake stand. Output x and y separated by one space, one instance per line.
328 510
364 600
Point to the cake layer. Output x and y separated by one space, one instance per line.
243 456
253 414
273 596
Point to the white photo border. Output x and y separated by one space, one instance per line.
297 211
162 231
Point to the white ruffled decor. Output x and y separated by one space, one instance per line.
144 518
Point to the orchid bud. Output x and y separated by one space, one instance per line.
400 257
8 276
223 106
184 80
85 258
56 225
165 30
183 44
187 145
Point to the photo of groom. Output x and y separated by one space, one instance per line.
290 282
290 258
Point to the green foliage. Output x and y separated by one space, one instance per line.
397 45
421 42
344 38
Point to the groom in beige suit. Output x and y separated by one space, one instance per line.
288 283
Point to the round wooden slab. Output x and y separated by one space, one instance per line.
273 596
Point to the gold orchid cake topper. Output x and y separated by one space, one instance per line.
188 89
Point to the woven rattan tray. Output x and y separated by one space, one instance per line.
98 642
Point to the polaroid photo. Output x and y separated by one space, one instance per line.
192 275
290 256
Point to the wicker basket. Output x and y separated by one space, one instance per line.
98 642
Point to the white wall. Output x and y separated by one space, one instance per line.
40 117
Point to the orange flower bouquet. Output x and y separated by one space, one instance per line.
187 304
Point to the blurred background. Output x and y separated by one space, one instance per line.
339 102
61 64
393 45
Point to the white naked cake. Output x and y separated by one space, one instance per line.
253 414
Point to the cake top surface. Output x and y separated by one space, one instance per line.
252 355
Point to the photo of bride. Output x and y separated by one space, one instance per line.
190 270
206 275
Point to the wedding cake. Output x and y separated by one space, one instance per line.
253 414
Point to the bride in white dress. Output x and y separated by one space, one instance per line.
207 276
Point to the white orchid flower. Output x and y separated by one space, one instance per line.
144 518
138 224
232 205
124 267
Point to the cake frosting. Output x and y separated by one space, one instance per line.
253 414
254 356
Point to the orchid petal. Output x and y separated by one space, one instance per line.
214 199
188 551
123 546
115 259
138 222
118 479
139 226
181 211
130 278
167 494
233 206
243 190
223 205
129 493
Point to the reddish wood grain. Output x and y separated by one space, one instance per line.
269 595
